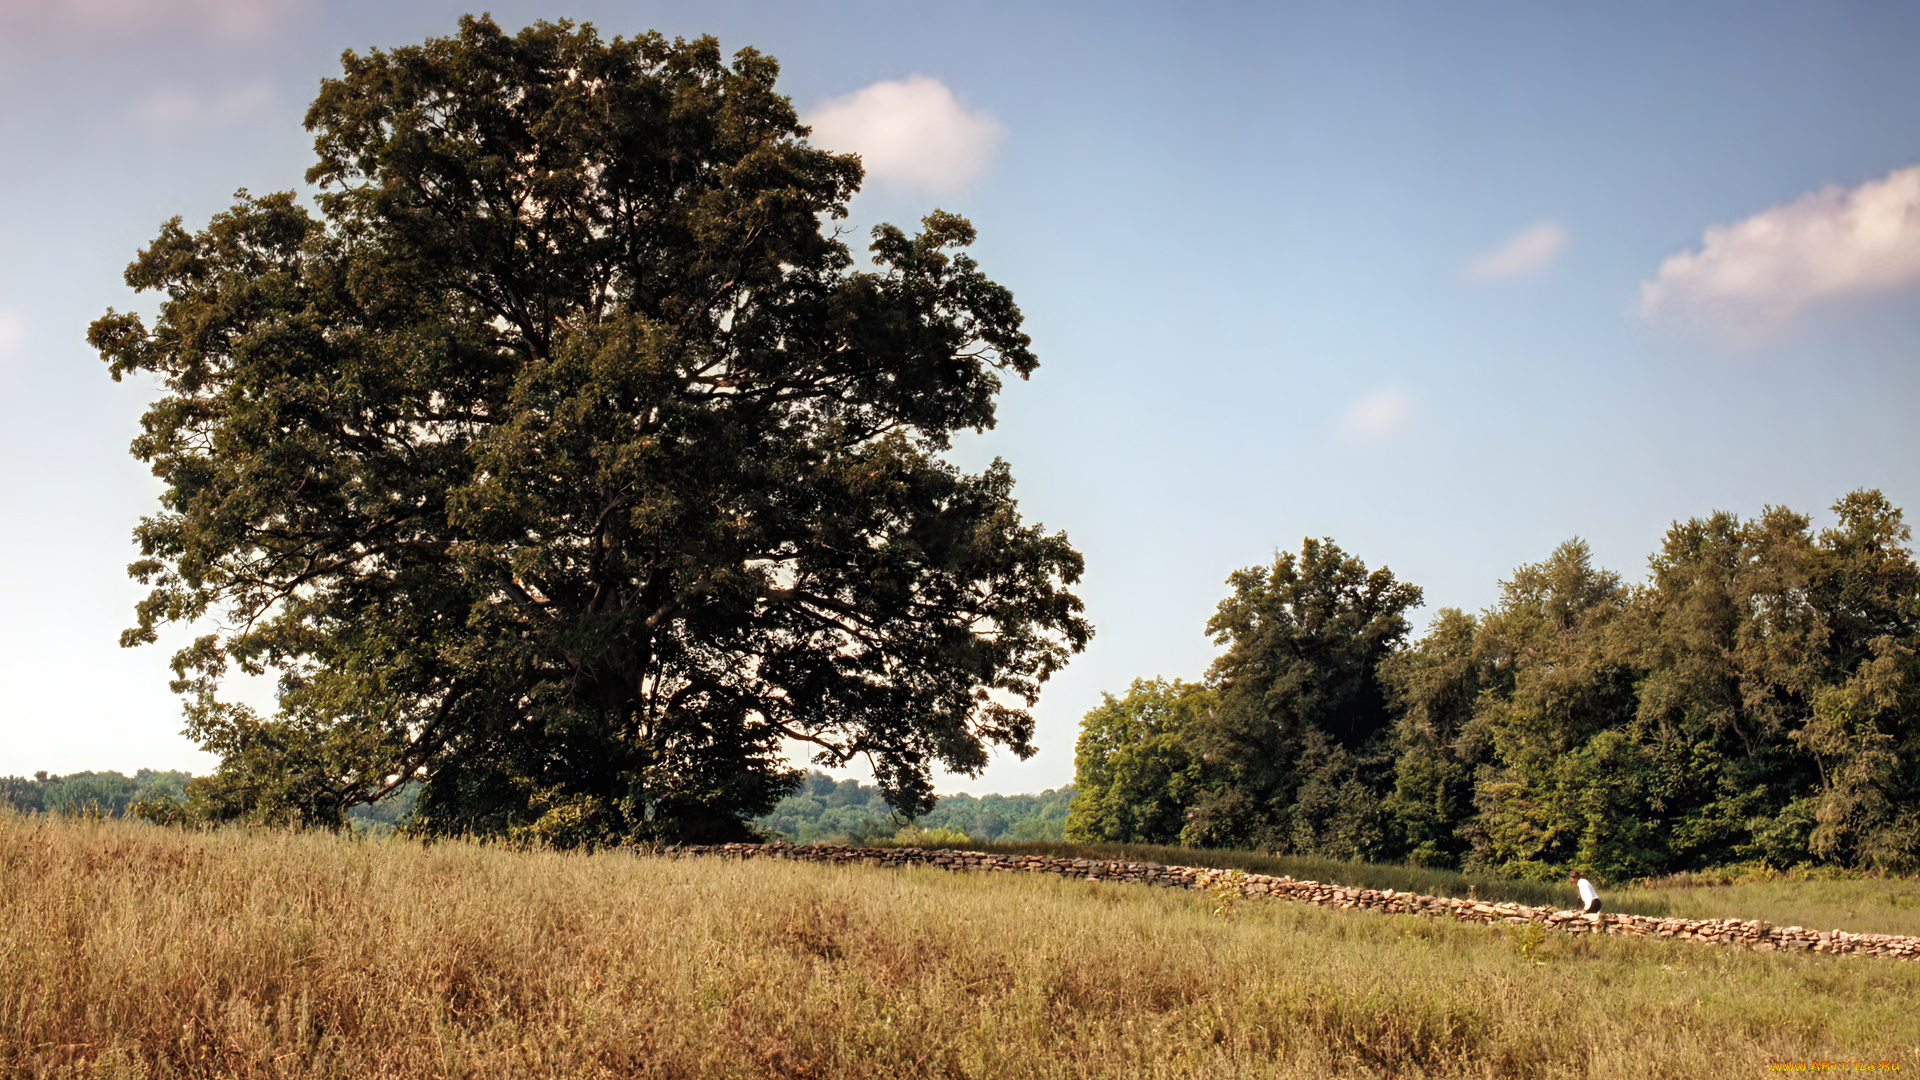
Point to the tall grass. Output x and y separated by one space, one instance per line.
129 951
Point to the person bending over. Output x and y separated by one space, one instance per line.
1589 896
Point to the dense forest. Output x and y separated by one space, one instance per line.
1754 699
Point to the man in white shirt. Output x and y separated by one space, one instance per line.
1589 896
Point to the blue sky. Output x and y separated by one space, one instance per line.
1448 284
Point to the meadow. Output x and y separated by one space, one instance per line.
1862 905
134 951
1417 879
1820 898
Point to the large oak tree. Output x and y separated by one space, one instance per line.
564 457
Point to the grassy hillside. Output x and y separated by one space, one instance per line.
1820 899
1861 905
127 951
1415 879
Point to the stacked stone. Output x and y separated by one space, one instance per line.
1751 934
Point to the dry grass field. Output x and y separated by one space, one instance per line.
1818 898
132 951
1867 905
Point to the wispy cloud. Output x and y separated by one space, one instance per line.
1382 413
172 108
1755 275
910 132
1526 252
228 20
13 330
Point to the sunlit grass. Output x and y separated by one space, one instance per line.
128 951
1862 906
1819 900
1414 879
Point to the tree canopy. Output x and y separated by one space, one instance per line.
1136 772
1755 699
1301 704
564 458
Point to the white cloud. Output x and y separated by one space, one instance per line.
228 20
912 132
171 108
1755 275
1378 415
1526 252
13 330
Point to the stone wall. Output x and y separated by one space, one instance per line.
1757 935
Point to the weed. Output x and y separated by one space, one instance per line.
1228 890
1528 938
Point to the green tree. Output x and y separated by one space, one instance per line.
1556 655
1860 814
111 793
24 794
1863 733
1003 817
1294 754
1734 645
1752 700
160 784
1757 697
823 808
83 792
1732 649
1435 687
1135 774
1867 586
563 461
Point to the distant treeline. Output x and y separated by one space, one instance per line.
824 808
1755 699
387 814
112 793
821 809
108 793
